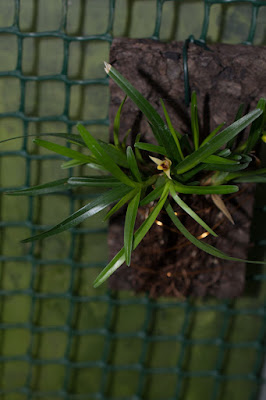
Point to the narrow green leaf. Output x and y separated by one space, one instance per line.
46 188
237 157
217 142
124 200
94 181
95 206
76 163
224 153
212 134
169 123
219 177
116 154
131 160
124 142
189 211
194 183
219 189
97 167
147 224
151 148
256 127
219 160
163 136
153 195
113 265
75 139
226 168
73 163
176 135
244 175
185 143
198 243
119 259
103 158
156 132
64 151
251 179
117 123
188 175
130 220
239 114
194 120
137 152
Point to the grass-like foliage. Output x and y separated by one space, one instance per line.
177 164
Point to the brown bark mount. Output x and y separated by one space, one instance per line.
165 263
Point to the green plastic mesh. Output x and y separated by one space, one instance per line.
59 338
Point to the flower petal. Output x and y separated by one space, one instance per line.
167 172
157 161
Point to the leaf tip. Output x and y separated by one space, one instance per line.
107 67
96 283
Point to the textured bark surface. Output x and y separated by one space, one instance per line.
166 264
223 78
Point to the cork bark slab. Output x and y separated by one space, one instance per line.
165 264
223 78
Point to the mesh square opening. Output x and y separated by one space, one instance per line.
122 383
90 315
11 245
129 318
86 348
15 275
14 375
229 23
10 93
42 56
40 16
86 59
135 19
47 377
89 102
201 357
168 320
178 22
7 13
45 98
87 17
52 311
160 386
15 309
10 344
163 354
125 351
85 381
52 278
8 51
49 345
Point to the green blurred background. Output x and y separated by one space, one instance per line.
59 337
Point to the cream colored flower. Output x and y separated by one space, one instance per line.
163 165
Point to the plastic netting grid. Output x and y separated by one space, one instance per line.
28 375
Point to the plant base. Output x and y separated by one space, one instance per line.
166 264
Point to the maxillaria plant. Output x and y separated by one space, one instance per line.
174 167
